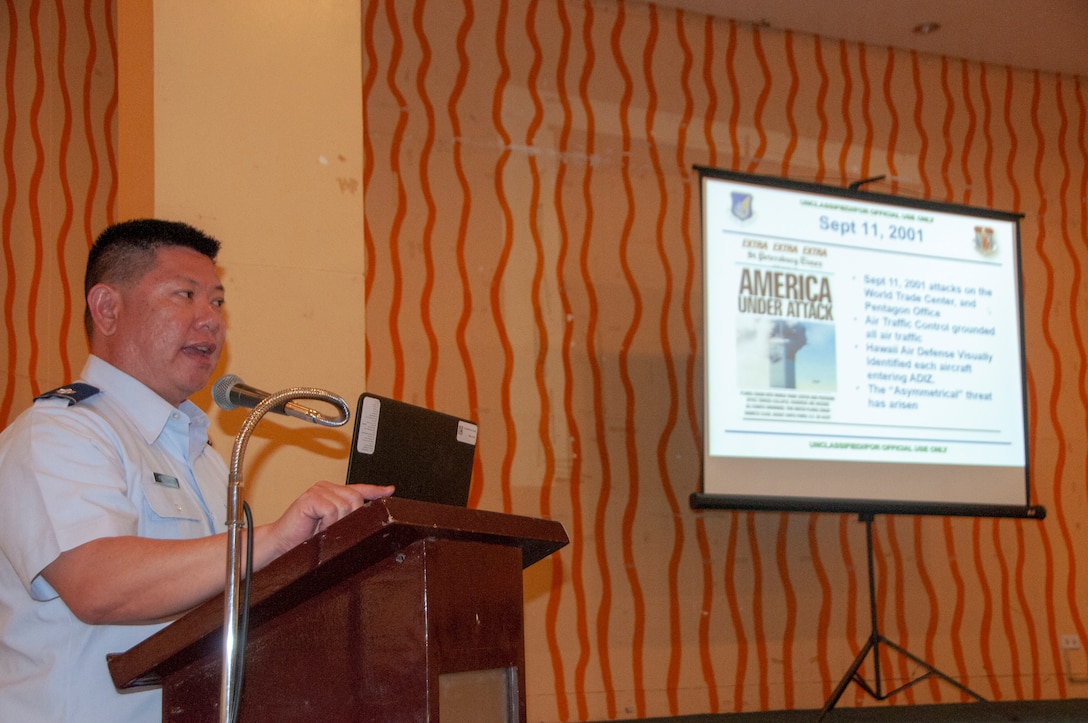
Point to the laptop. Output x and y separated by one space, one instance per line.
426 454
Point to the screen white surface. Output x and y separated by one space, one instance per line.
859 349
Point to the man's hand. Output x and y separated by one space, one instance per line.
313 511
139 579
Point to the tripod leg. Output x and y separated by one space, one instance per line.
851 672
931 671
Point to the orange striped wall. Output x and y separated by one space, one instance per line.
533 260
533 248
60 183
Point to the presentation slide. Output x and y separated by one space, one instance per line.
860 349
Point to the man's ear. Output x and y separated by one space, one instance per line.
104 301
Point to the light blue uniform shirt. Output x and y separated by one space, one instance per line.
121 462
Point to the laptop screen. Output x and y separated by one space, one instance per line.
426 454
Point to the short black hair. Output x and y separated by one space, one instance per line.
125 251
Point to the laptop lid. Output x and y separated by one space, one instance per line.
426 454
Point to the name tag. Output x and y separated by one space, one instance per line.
167 481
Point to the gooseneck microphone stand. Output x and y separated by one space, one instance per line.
230 690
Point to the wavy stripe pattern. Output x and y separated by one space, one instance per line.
532 232
583 338
59 140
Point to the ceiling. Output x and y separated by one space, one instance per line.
1047 35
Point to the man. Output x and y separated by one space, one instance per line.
112 503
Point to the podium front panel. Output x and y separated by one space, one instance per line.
367 621
375 647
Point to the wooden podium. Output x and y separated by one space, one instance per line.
402 611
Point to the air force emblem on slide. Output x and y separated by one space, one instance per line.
742 206
985 243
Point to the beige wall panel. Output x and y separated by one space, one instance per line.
258 142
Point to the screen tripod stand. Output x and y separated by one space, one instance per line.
872 645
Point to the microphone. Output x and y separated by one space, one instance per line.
230 392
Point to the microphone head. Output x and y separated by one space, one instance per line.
221 391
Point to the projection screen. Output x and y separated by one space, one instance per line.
863 352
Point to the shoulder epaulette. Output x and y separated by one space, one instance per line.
74 393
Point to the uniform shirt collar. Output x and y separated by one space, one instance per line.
148 410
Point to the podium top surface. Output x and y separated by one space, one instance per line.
371 533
